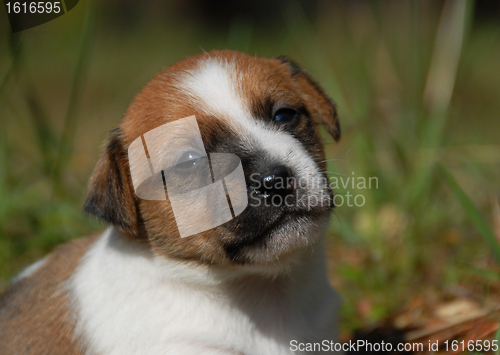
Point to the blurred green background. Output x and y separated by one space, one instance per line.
417 85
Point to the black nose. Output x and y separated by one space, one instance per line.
276 181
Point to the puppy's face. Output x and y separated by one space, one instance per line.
265 111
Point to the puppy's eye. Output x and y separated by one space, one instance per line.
285 116
188 161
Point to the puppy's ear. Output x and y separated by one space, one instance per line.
111 196
325 110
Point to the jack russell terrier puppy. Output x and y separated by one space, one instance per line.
254 283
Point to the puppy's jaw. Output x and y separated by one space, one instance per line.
284 242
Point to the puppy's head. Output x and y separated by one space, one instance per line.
264 111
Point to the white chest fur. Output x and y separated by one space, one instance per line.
128 301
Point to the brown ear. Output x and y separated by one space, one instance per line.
325 110
111 197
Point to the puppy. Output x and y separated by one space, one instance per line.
254 284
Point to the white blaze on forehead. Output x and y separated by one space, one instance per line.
213 86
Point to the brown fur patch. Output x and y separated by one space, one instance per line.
111 196
267 83
35 313
323 108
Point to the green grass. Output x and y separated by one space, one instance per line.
417 89
475 215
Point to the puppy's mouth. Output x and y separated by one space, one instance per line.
257 227
290 220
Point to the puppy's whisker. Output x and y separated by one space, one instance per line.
348 151
334 159
334 172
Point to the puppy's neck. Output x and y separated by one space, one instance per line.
124 257
119 284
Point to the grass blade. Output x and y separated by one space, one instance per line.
439 86
66 143
473 213
300 27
